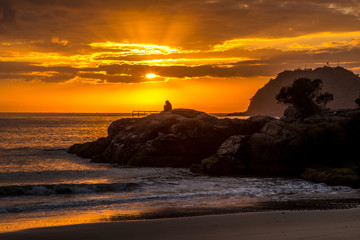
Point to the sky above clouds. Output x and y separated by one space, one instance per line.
118 56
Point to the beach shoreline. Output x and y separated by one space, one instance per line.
304 224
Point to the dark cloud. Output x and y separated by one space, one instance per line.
7 15
199 23
28 72
275 62
23 67
55 78
126 73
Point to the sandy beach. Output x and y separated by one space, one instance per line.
316 224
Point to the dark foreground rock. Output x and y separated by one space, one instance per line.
333 176
174 139
312 148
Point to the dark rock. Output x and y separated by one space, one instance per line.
231 146
219 165
90 149
259 145
261 120
277 149
178 138
342 116
196 168
190 113
333 176
236 147
229 159
288 146
119 125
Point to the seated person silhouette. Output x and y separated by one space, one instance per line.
167 106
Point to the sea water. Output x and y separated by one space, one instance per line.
42 185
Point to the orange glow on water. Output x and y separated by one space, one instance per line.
68 218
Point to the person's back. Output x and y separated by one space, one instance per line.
167 106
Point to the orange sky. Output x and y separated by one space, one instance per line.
119 56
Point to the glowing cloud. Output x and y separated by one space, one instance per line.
135 49
312 41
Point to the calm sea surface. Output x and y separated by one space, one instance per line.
42 185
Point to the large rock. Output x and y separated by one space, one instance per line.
229 158
288 146
219 165
178 138
258 145
231 146
277 148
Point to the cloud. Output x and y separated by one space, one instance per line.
7 15
111 78
263 62
27 71
190 24
113 41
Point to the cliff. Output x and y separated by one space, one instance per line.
342 83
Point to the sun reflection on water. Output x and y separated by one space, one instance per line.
69 218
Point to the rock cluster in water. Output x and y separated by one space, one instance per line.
321 148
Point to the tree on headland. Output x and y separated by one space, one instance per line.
357 101
305 95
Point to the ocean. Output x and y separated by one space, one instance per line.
42 185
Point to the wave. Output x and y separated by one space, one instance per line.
81 203
44 190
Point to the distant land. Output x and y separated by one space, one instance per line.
342 83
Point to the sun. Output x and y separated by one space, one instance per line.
150 75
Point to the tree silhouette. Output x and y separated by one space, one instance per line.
305 95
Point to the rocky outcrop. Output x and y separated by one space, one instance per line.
312 148
277 148
178 138
321 148
229 158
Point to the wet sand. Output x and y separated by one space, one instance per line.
309 224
